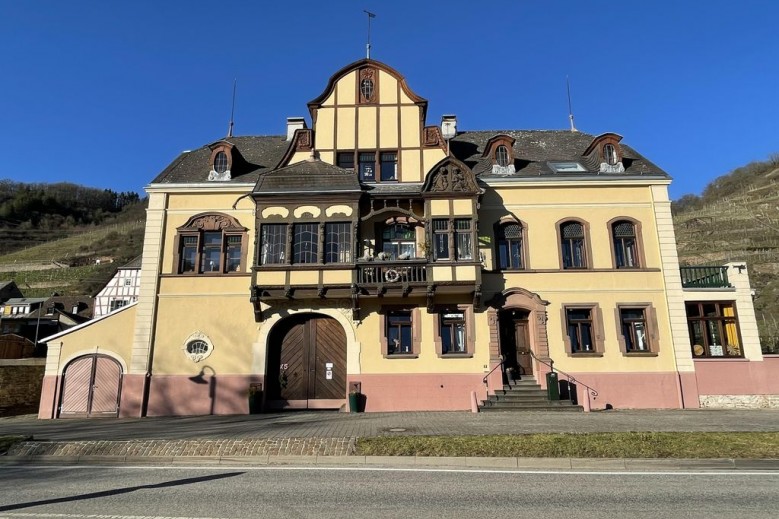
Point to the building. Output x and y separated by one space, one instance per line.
121 290
375 253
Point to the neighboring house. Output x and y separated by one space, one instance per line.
26 320
416 264
8 289
121 290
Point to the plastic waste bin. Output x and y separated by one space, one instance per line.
552 389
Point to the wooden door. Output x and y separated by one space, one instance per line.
90 387
309 363
522 335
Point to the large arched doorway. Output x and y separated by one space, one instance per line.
90 387
306 363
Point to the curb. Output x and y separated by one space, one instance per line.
409 462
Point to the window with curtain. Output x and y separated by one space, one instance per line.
338 242
305 243
510 247
625 245
713 328
452 332
573 246
273 239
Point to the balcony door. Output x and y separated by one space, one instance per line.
306 363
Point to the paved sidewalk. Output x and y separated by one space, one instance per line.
328 438
331 424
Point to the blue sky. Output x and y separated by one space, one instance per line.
106 94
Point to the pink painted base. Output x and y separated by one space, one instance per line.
738 376
420 392
218 395
630 390
131 399
48 405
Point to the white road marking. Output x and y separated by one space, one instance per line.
669 472
94 516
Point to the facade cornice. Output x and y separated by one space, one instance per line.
210 187
645 180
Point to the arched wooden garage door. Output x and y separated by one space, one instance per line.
90 387
307 363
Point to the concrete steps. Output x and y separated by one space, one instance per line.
525 395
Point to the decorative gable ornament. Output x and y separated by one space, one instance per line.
451 176
497 169
605 167
213 176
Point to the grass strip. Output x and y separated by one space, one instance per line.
744 445
7 441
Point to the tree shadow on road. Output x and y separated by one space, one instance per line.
117 491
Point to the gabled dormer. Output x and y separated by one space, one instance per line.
221 161
369 121
500 151
606 151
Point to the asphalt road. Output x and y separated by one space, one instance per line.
166 492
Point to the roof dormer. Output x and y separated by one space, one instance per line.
607 151
221 161
500 150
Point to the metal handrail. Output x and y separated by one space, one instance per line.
571 380
500 365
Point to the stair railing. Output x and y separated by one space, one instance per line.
591 391
499 365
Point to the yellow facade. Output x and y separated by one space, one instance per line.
404 285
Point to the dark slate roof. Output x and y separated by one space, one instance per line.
134 263
251 157
308 176
533 149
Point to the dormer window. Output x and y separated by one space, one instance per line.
220 162
499 149
610 155
502 156
605 148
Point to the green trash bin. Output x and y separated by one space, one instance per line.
354 402
552 389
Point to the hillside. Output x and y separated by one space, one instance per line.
737 219
76 259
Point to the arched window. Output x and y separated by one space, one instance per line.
572 244
220 162
623 234
509 240
211 244
502 156
610 154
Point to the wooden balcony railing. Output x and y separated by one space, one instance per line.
705 277
392 272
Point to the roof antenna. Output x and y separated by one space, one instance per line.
368 46
570 110
232 111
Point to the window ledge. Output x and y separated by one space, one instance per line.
586 354
455 355
639 353
206 275
402 356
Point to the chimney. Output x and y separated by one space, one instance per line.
294 123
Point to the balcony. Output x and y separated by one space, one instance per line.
378 273
705 277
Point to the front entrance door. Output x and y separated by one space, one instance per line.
90 387
515 344
307 363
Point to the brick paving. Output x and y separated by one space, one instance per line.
325 433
